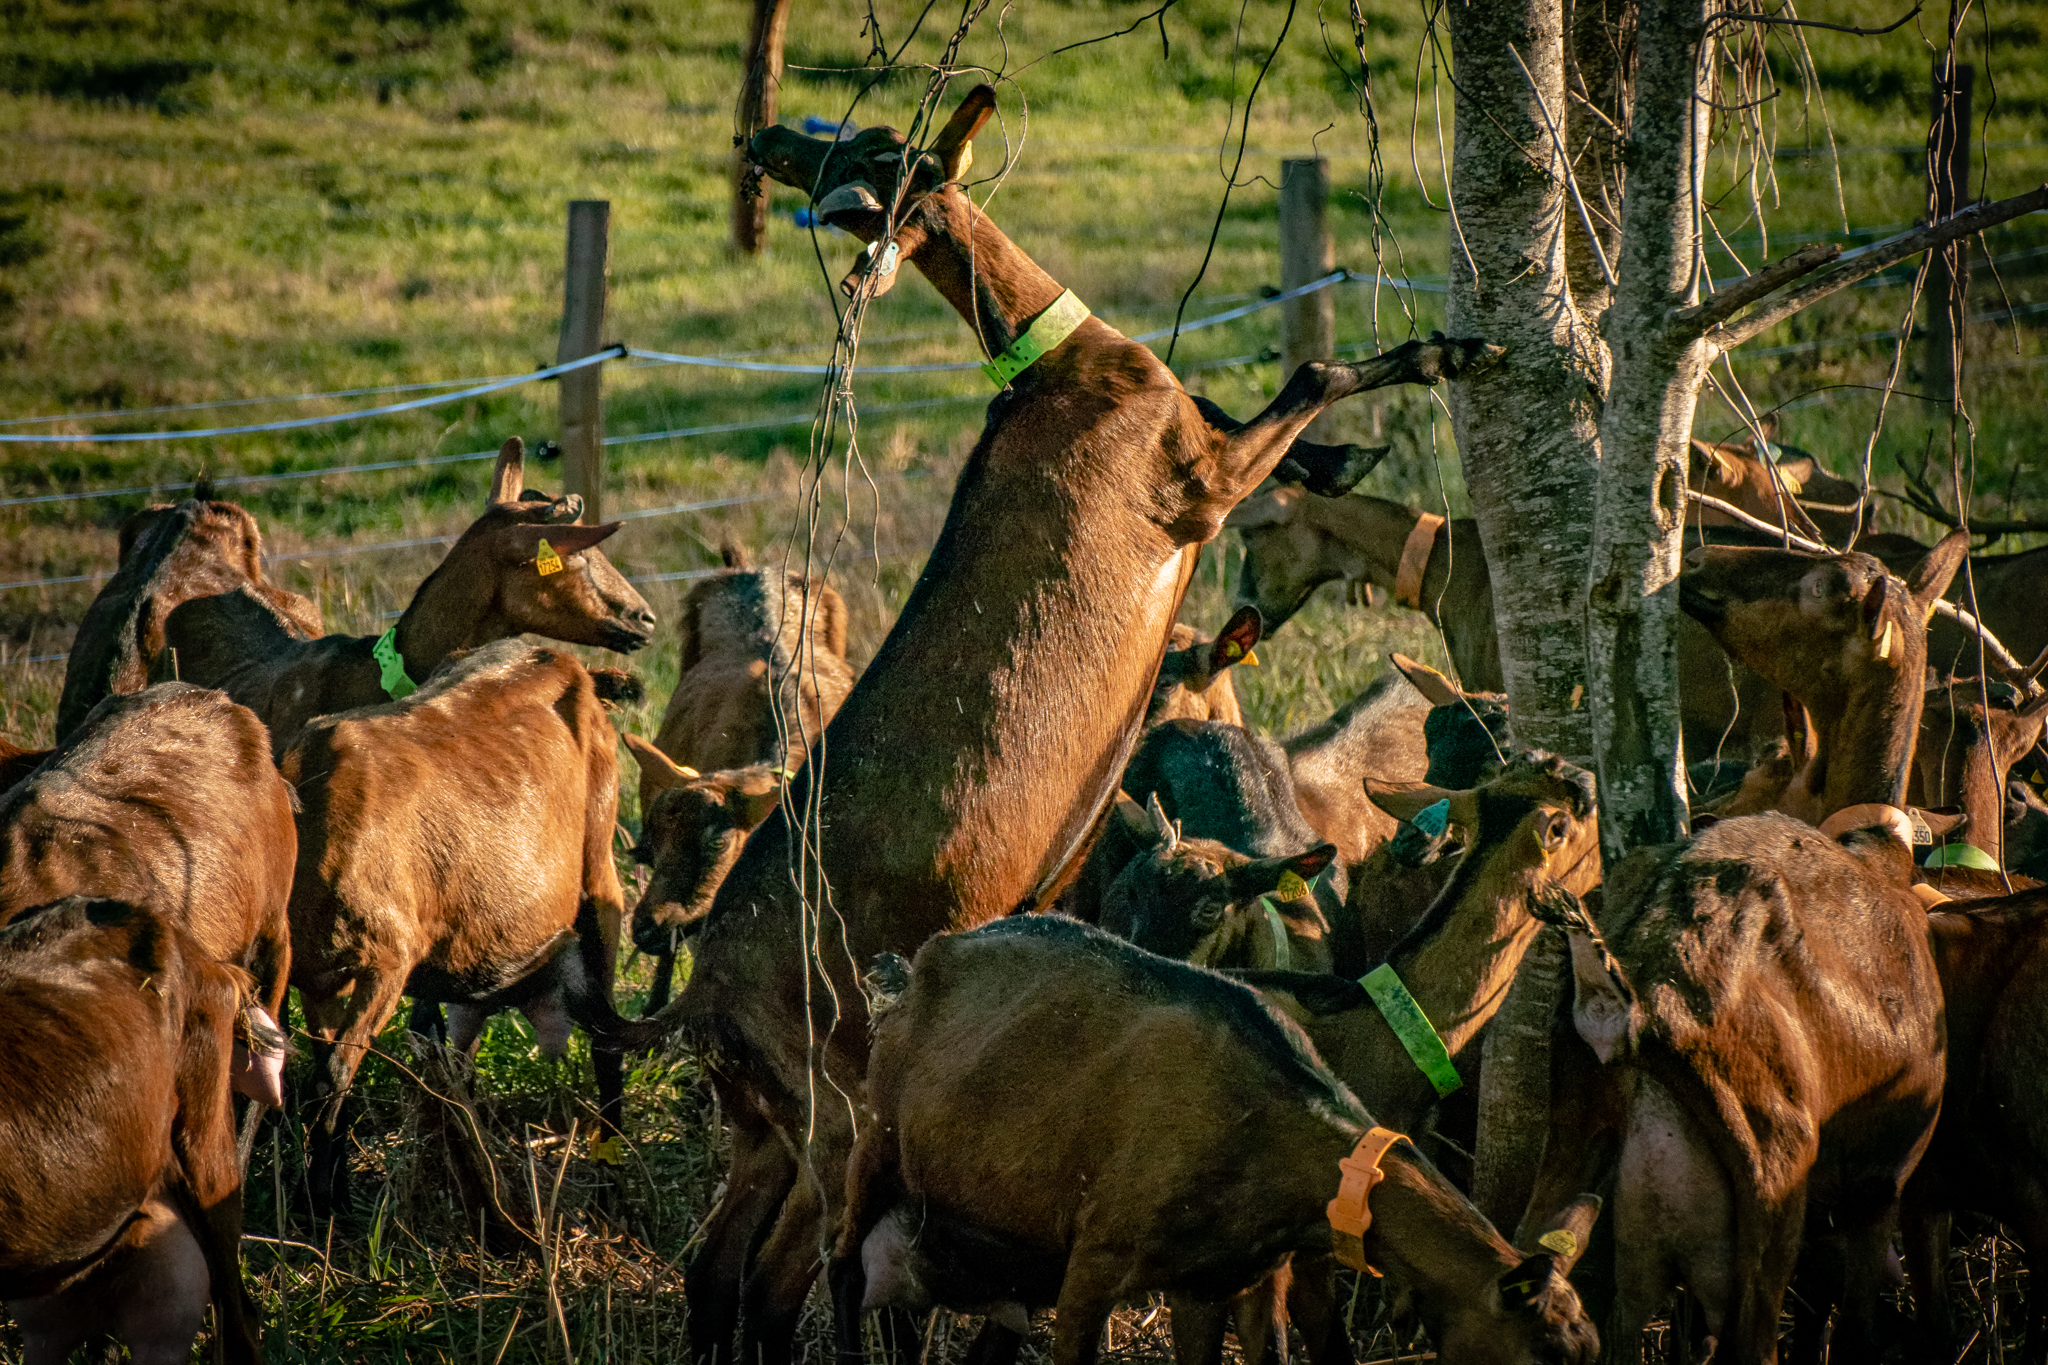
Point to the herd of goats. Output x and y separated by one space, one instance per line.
1025 976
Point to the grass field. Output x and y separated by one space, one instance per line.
208 200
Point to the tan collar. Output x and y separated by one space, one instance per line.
1415 560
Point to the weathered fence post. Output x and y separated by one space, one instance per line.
582 392
757 111
1948 177
1308 325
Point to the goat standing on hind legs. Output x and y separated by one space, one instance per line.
1046 603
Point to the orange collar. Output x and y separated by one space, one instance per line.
1415 560
1349 1214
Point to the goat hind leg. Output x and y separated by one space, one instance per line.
785 1270
757 1183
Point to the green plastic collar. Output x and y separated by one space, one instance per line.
1412 1027
1053 326
385 652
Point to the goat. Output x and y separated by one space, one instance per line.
1992 1139
1294 544
169 554
1178 1137
167 798
119 1185
1965 751
763 671
1046 602
1784 489
492 584
1194 677
456 846
1765 1003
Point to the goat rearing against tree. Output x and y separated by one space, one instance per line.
1025 655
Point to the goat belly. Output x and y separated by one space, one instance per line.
922 1256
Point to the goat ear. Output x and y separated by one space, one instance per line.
1566 1239
1521 1287
1252 513
509 476
1133 817
1931 576
954 146
1405 800
1437 689
1798 473
1234 645
565 540
1720 467
657 769
1263 876
758 806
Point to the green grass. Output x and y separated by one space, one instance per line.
225 199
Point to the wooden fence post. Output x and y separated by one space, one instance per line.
1948 176
756 111
1308 325
582 391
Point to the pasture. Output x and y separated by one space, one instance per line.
235 200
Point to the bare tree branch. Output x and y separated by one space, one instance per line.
1970 220
1994 649
1734 17
1712 312
1922 498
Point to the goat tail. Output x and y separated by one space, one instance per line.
734 555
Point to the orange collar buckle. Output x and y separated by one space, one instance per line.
1349 1213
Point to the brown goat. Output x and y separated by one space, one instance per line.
1965 752
491 585
692 828
1768 996
1046 602
17 762
763 671
1058 1118
1991 1144
1844 637
120 1190
1294 544
1378 734
456 846
1194 677
1778 490
166 798
170 553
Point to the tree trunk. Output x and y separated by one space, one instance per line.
1632 589
757 111
1527 430
1527 433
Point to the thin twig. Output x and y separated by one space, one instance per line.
1571 181
1778 21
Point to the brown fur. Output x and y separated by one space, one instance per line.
970 763
745 636
1295 543
1378 735
1194 677
170 554
17 762
691 833
1843 637
117 1143
1734 473
1991 1145
165 798
1194 1143
1772 1002
1965 753
456 846
488 587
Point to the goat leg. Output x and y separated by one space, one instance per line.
758 1182
1198 1325
1328 471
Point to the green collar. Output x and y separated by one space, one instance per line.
1048 330
385 652
1425 1048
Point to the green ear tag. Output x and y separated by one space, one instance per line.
546 560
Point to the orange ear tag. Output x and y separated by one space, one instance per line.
546 560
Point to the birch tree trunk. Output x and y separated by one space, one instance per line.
1658 366
1528 430
1527 433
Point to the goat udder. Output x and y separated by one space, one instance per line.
888 1260
259 1073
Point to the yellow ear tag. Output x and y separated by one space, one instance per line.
1561 1241
1251 658
612 1151
546 560
1884 642
1291 888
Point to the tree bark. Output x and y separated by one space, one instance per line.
1639 520
756 111
1527 431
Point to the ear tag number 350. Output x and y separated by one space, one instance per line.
546 560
